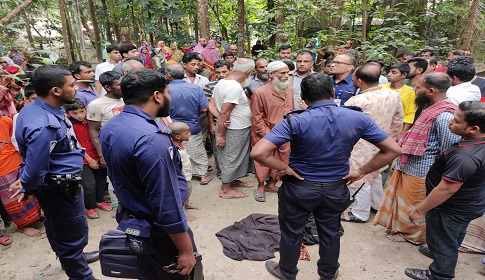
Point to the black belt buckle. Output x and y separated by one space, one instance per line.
69 185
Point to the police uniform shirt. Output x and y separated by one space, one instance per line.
344 89
322 138
145 168
47 144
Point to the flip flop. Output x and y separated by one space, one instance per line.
238 194
209 168
5 240
105 206
206 181
259 196
92 214
350 218
275 190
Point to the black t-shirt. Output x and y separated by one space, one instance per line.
464 162
480 82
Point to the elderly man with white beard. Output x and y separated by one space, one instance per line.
269 104
233 141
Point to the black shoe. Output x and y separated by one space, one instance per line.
425 251
341 230
418 274
273 268
331 278
91 257
373 210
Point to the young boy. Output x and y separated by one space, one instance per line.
181 134
455 187
93 177
396 76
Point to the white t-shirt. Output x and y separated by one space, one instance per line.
199 80
104 108
100 69
463 92
230 91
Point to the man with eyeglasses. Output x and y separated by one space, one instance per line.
343 81
304 67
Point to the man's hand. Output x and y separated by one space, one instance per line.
415 217
212 129
93 164
221 141
16 187
186 262
102 162
287 171
227 123
354 175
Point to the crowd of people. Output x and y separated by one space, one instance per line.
136 132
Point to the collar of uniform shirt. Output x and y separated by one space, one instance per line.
57 112
323 103
137 111
347 80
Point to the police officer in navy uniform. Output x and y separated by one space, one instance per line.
52 162
146 171
314 181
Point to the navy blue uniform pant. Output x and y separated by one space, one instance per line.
67 231
444 234
294 206
166 252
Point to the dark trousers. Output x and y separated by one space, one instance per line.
152 265
294 206
94 184
66 227
444 234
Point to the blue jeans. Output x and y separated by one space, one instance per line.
444 234
294 206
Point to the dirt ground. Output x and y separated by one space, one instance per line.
365 251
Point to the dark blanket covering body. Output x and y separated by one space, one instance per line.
257 237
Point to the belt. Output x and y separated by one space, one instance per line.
59 180
312 185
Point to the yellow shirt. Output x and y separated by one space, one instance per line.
407 99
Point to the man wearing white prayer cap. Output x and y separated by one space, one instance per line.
269 104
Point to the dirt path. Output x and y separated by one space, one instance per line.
365 252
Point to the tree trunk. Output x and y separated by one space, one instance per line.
364 27
240 27
76 54
84 22
27 29
109 35
271 22
15 12
470 36
336 21
79 30
202 18
280 17
97 37
117 33
67 49
223 27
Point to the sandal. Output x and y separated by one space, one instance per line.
104 206
259 196
206 181
209 168
5 240
92 214
350 218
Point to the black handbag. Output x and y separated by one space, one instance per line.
116 257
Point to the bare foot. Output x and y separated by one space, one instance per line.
30 231
240 184
396 237
191 206
190 218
